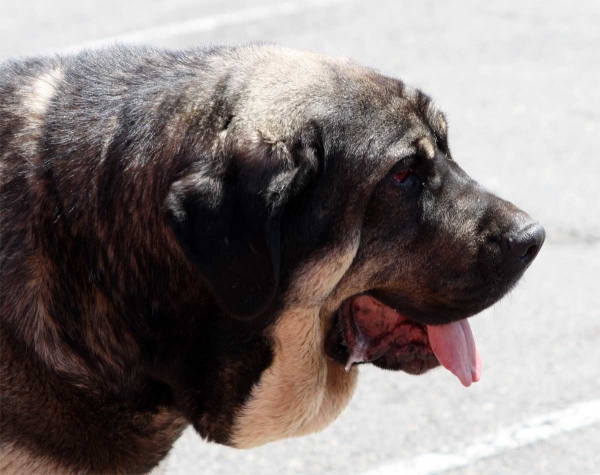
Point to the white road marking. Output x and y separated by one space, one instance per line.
537 429
209 23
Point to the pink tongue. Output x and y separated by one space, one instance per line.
455 349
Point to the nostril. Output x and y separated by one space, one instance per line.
527 243
533 250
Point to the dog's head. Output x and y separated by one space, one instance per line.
324 211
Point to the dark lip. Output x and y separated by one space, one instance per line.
412 364
435 313
421 350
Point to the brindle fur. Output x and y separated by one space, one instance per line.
178 230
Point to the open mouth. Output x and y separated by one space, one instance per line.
369 331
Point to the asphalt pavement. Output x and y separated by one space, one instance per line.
520 83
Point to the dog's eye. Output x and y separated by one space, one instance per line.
407 179
402 176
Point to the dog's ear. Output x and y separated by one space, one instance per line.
227 221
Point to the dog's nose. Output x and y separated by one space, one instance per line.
526 242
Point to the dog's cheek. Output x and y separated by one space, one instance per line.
301 393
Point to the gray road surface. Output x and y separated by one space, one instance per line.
520 82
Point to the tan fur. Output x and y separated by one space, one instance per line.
426 147
297 395
16 461
443 126
40 94
302 391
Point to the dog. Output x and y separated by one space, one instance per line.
220 237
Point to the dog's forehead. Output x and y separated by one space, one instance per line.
358 111
408 125
397 118
424 114
288 88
